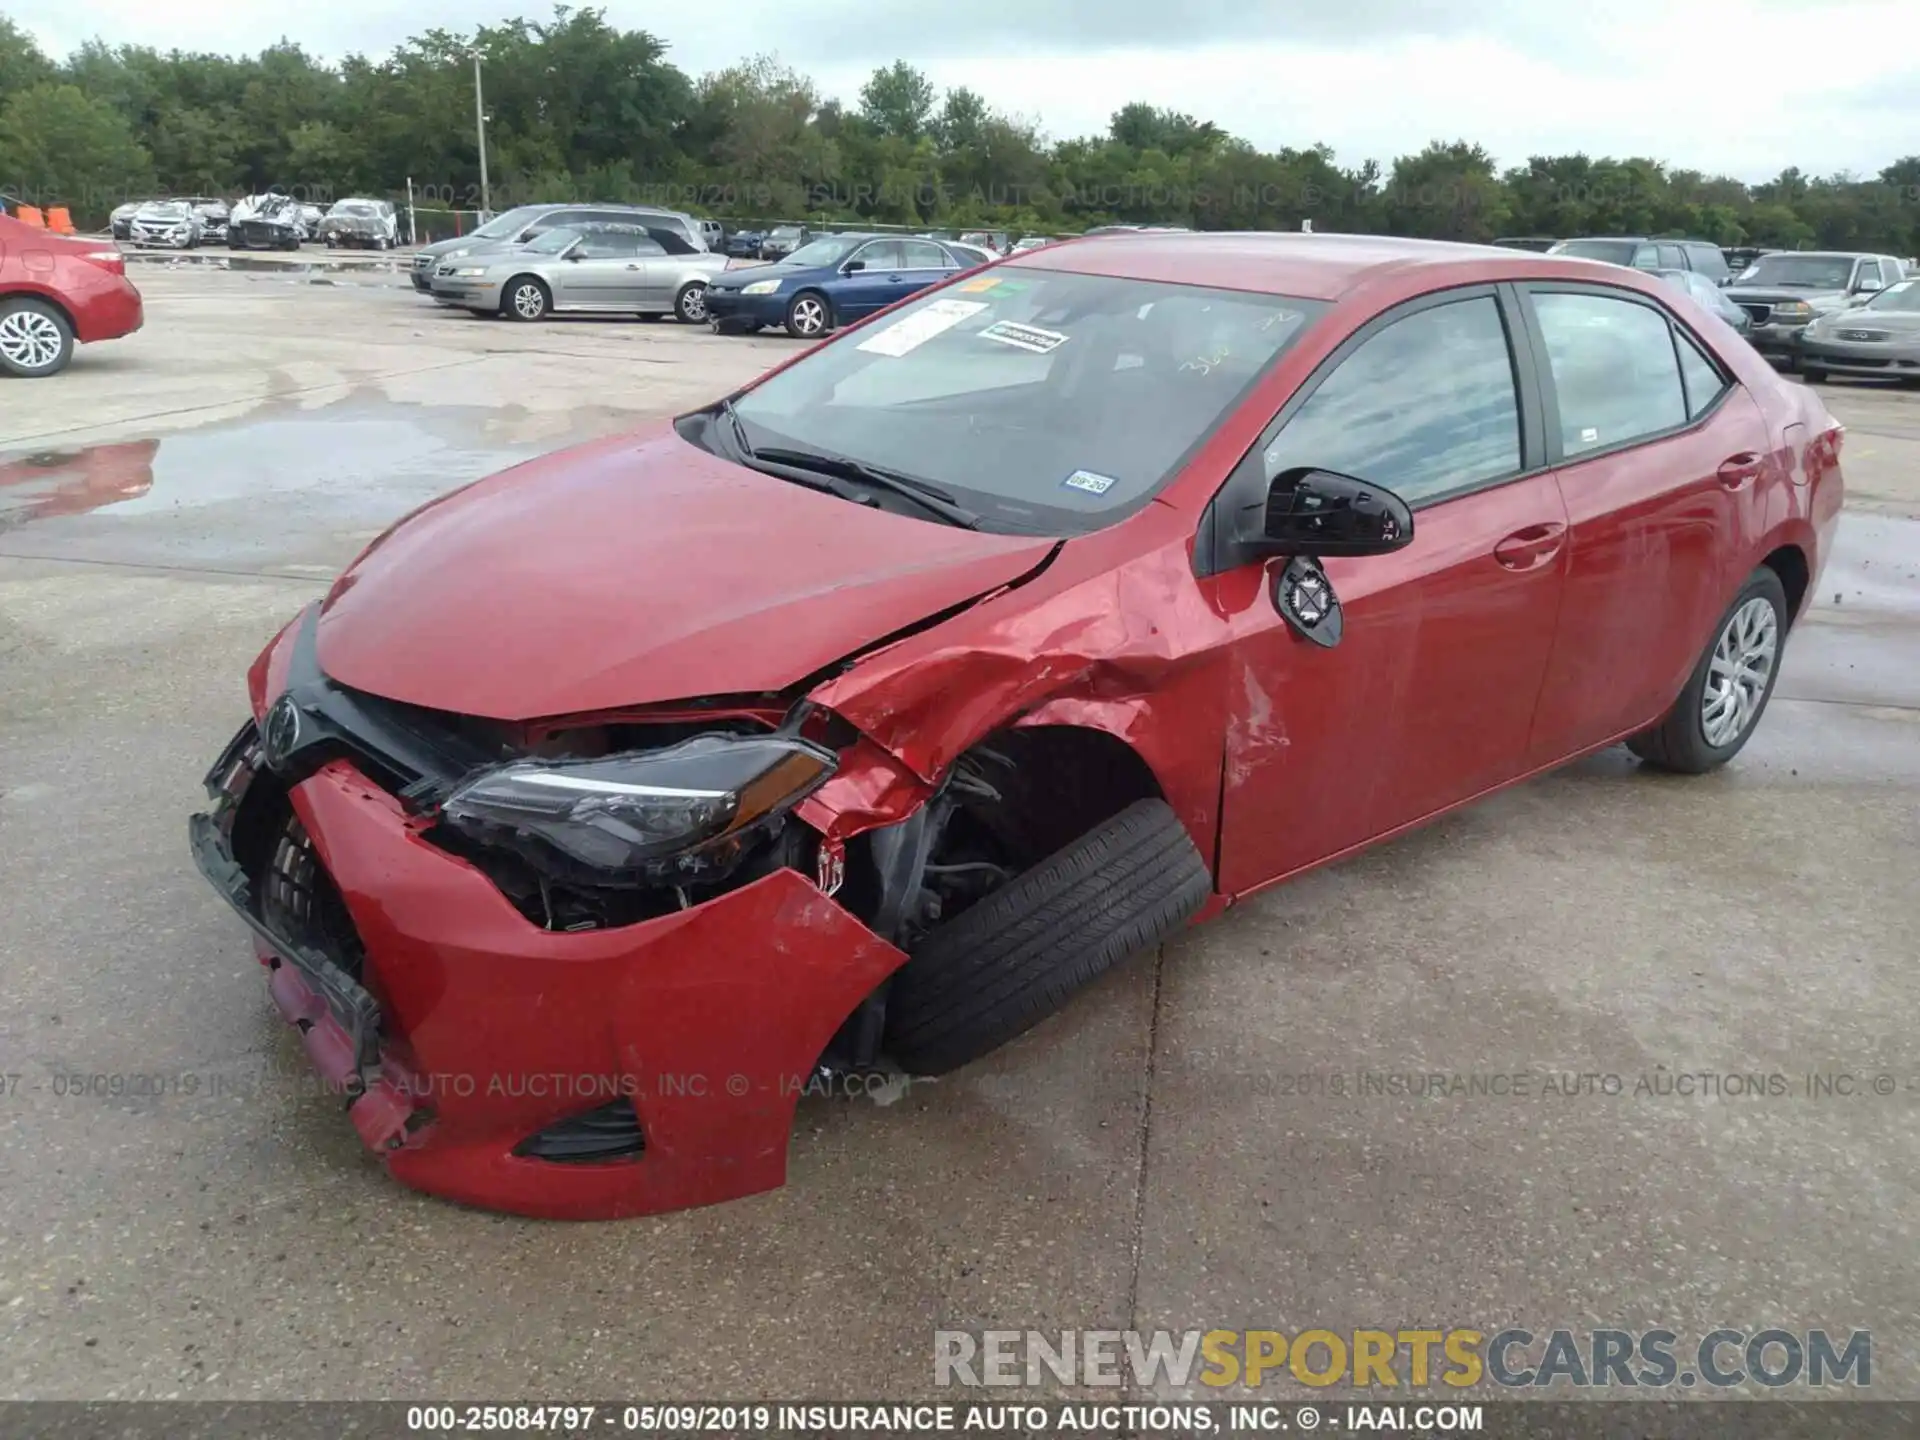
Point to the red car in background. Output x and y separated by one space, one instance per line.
606 806
56 291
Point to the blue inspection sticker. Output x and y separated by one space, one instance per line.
1088 481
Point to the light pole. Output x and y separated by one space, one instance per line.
480 128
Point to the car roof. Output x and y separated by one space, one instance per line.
1307 267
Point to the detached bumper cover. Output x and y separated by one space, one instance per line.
472 1030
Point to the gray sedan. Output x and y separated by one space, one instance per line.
1880 338
587 269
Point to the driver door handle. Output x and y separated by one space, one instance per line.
1739 471
1532 547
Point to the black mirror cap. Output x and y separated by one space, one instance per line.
853 265
1322 513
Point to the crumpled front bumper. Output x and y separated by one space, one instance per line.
472 1030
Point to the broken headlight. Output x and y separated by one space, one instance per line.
660 816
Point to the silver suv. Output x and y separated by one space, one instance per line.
525 223
1788 290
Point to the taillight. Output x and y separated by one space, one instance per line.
107 260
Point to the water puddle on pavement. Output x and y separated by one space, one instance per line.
371 460
371 266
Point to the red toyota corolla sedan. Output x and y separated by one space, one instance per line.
55 291
606 806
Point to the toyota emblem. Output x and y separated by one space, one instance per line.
282 731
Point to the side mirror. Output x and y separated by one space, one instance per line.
1867 287
1320 513
853 265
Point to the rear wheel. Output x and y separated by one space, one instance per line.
1729 689
35 338
525 299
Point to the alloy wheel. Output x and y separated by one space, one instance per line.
693 304
1739 672
528 302
809 316
30 339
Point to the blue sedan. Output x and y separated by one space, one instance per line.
829 281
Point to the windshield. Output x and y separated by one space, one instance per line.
355 207
1614 252
785 232
1809 272
168 207
827 250
554 241
1904 296
516 219
1048 403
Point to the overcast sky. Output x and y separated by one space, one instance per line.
1742 87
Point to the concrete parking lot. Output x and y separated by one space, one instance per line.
1166 1154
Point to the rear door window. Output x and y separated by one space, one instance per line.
1616 375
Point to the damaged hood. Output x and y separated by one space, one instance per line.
637 570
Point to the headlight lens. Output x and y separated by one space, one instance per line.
470 270
761 287
679 813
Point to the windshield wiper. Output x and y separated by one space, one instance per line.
739 430
928 497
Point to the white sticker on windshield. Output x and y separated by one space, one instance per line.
1588 436
1090 482
1026 337
910 332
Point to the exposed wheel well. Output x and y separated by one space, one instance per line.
1789 562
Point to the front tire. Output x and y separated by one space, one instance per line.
35 338
690 305
1813 374
1728 691
809 315
525 299
1009 961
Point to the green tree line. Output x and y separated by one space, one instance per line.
579 109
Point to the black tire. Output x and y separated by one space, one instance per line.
525 298
1679 742
1813 375
1008 962
809 316
36 339
690 305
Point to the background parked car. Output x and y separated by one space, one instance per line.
1640 253
783 240
1030 242
998 241
55 291
745 244
167 224
1739 257
591 269
268 221
830 280
971 253
1786 291
366 224
713 235
120 223
526 223
1878 339
214 214
1540 244
1709 296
